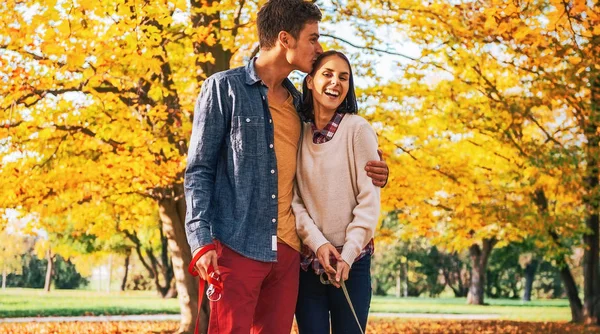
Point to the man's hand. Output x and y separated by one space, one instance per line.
206 260
378 170
323 254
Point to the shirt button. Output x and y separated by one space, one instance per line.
274 220
263 98
271 146
247 120
272 171
270 121
273 196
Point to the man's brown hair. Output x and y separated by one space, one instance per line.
284 15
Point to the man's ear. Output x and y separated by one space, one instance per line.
285 39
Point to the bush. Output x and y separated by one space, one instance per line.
34 274
66 276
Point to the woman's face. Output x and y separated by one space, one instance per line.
330 83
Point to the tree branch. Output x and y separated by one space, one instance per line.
74 129
62 139
369 47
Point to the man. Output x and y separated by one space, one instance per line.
240 174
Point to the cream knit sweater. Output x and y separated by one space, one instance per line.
334 199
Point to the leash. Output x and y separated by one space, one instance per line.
343 285
215 285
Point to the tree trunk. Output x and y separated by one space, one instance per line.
49 269
591 293
591 241
479 258
565 272
406 279
167 266
172 214
172 293
571 289
475 295
152 264
529 278
3 277
126 265
456 277
109 273
187 288
172 210
399 282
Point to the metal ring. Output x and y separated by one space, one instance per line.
214 300
212 291
325 281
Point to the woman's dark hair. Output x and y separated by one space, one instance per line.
348 106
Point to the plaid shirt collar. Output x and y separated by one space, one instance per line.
325 135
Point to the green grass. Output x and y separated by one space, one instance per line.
34 303
507 309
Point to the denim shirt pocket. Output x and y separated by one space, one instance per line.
248 136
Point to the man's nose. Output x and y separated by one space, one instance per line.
319 49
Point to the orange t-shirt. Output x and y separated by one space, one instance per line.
287 136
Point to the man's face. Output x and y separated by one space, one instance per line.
304 50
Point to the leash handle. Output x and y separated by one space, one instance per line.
215 287
192 267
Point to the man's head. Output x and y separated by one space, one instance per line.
294 24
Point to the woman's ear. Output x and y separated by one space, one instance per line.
309 82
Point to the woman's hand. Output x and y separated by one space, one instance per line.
342 272
323 253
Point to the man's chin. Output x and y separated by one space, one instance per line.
306 69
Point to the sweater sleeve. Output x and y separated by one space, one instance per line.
366 212
306 228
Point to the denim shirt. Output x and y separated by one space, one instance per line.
231 174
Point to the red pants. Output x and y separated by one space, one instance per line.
258 297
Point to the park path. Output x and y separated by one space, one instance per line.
176 317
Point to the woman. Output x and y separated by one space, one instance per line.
335 203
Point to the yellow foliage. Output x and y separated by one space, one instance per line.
96 109
486 119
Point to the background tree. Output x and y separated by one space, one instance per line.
97 104
521 76
12 247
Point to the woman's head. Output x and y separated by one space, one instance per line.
330 85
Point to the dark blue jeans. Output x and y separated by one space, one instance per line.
317 301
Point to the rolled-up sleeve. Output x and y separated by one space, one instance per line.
208 135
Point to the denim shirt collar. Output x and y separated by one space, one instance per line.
252 78
251 75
